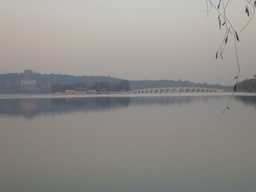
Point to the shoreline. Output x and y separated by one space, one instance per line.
96 93
51 96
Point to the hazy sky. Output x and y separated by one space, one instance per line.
130 39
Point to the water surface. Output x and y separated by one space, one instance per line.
171 143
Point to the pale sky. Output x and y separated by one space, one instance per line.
129 39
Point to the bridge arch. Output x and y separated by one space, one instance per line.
174 91
177 90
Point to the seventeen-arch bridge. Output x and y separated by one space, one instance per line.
177 90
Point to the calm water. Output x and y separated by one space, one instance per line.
172 143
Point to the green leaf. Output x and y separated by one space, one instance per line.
226 40
247 11
219 22
221 55
219 4
237 36
235 88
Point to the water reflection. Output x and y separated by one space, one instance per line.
247 100
31 107
35 107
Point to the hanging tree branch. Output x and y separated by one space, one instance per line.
247 11
230 30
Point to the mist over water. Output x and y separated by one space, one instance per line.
178 143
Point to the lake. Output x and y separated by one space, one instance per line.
162 142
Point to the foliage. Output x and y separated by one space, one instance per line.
230 30
224 22
62 88
123 86
11 83
103 85
248 85
171 83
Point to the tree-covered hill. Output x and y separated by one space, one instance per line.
41 83
171 83
12 82
247 85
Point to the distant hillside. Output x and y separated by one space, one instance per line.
71 79
31 82
247 85
171 83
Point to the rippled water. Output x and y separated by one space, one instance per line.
170 143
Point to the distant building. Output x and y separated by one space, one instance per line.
28 74
28 81
69 91
91 91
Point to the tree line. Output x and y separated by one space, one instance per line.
247 85
98 86
11 83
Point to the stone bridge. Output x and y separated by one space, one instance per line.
177 90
